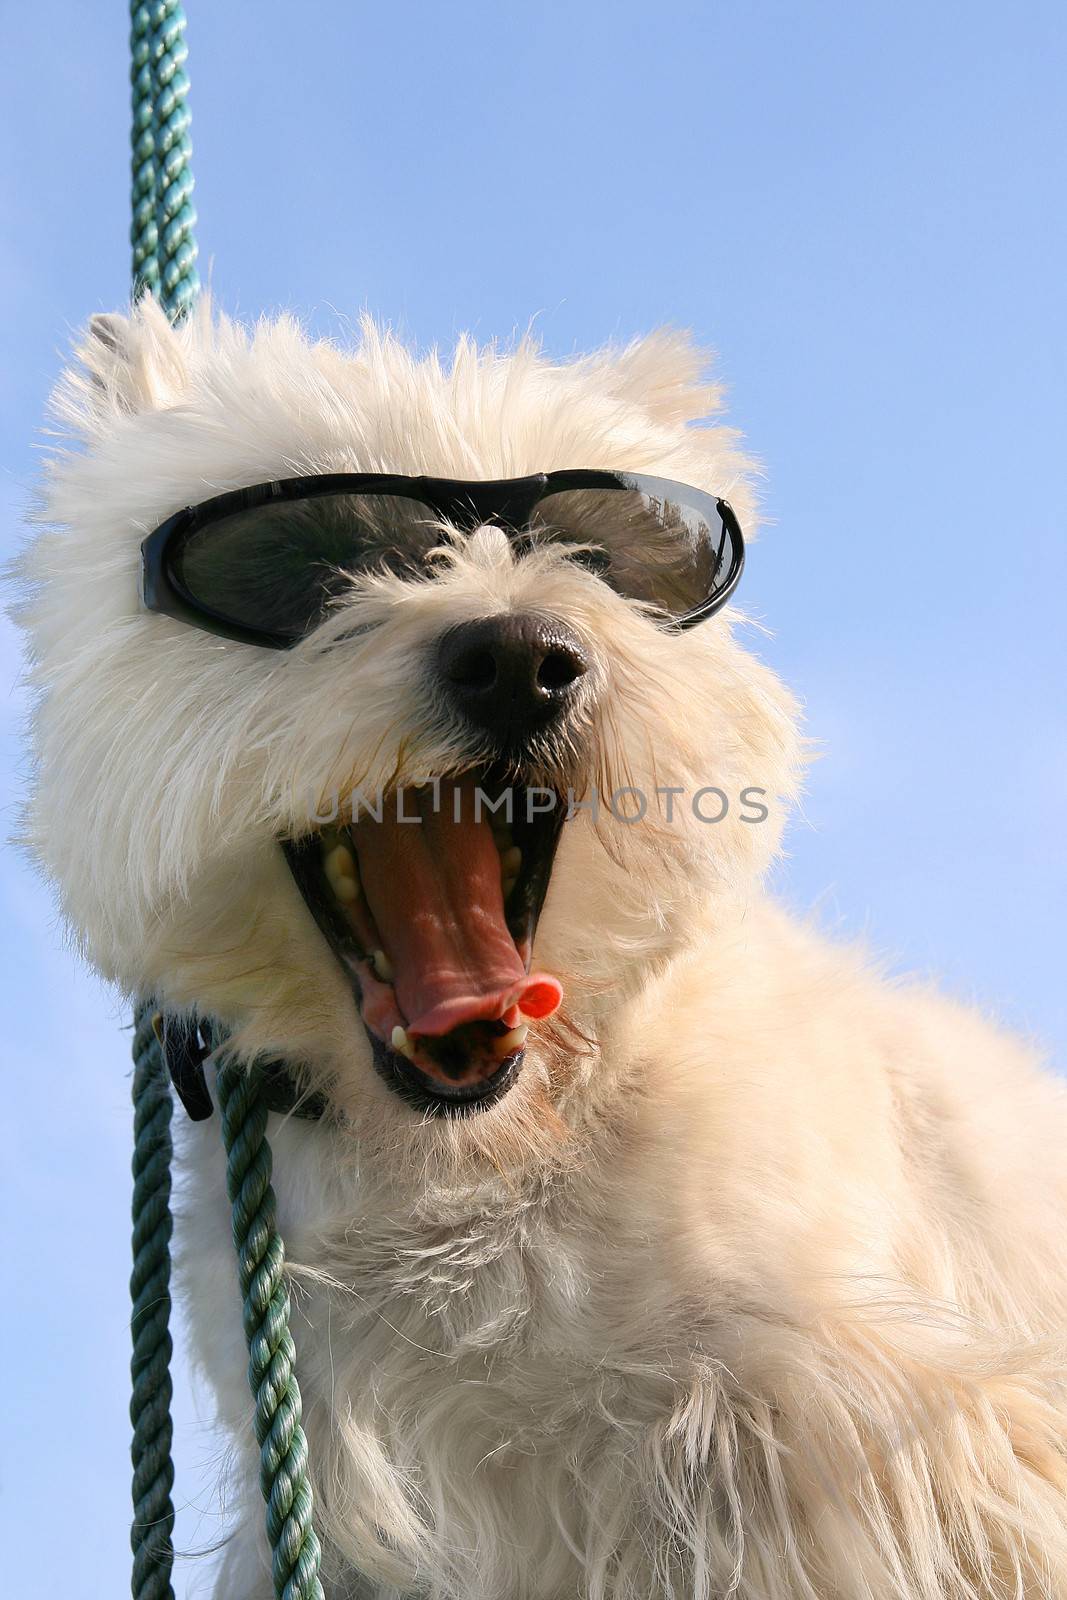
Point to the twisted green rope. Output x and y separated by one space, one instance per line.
153 1470
164 256
161 233
283 1474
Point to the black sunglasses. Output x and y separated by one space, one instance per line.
264 565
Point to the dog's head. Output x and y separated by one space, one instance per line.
431 849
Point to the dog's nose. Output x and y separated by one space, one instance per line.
510 675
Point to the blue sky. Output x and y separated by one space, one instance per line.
861 209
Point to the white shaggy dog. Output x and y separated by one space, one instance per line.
754 1280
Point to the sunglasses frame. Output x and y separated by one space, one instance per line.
465 503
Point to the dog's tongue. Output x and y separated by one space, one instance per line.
433 888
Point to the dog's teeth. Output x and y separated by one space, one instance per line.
507 886
511 861
382 965
342 873
508 1043
340 860
402 1044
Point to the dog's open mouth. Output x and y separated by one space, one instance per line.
430 901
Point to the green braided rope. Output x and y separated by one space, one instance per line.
283 1473
161 233
164 256
153 1470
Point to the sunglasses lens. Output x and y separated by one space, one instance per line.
651 540
276 568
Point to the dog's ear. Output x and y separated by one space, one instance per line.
663 373
129 364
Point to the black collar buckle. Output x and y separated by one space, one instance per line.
186 1044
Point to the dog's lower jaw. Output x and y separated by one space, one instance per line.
440 1099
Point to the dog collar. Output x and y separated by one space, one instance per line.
186 1045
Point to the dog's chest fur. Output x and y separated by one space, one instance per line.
462 1361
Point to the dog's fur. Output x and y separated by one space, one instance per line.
755 1283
